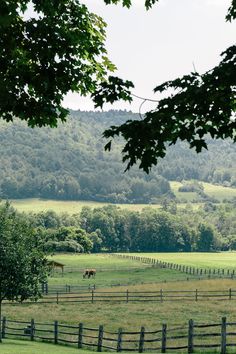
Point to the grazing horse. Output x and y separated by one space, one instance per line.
89 273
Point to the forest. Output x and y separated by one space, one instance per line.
70 163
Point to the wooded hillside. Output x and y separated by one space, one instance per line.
69 162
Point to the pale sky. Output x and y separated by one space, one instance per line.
150 47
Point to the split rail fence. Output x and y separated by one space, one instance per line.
136 296
193 337
214 272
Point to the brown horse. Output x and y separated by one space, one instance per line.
89 273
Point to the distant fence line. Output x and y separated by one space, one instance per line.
136 296
47 288
74 288
65 288
190 337
215 272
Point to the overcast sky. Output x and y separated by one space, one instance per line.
149 47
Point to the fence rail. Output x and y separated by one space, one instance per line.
212 272
128 296
189 337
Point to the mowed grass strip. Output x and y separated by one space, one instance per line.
222 260
27 347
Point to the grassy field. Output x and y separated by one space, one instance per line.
129 316
218 192
113 270
110 270
72 207
226 260
187 196
27 347
132 316
36 205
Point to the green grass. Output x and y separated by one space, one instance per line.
132 316
71 207
219 192
186 196
226 260
36 205
129 316
212 190
110 270
27 347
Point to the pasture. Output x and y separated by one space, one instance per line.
36 205
134 315
225 260
216 191
136 277
110 271
28 347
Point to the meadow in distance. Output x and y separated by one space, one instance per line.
36 205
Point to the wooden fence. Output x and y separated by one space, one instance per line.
65 288
210 272
137 296
190 338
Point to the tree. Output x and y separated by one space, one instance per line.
60 49
206 238
22 262
63 49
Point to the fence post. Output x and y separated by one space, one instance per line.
196 295
46 288
55 332
119 340
80 336
223 335
190 336
32 328
161 295
163 338
92 296
4 321
57 298
127 295
141 340
100 338
230 294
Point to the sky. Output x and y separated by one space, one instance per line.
150 47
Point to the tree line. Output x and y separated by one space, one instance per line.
112 229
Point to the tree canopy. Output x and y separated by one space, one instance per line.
22 262
62 49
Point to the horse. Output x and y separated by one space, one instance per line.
89 273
